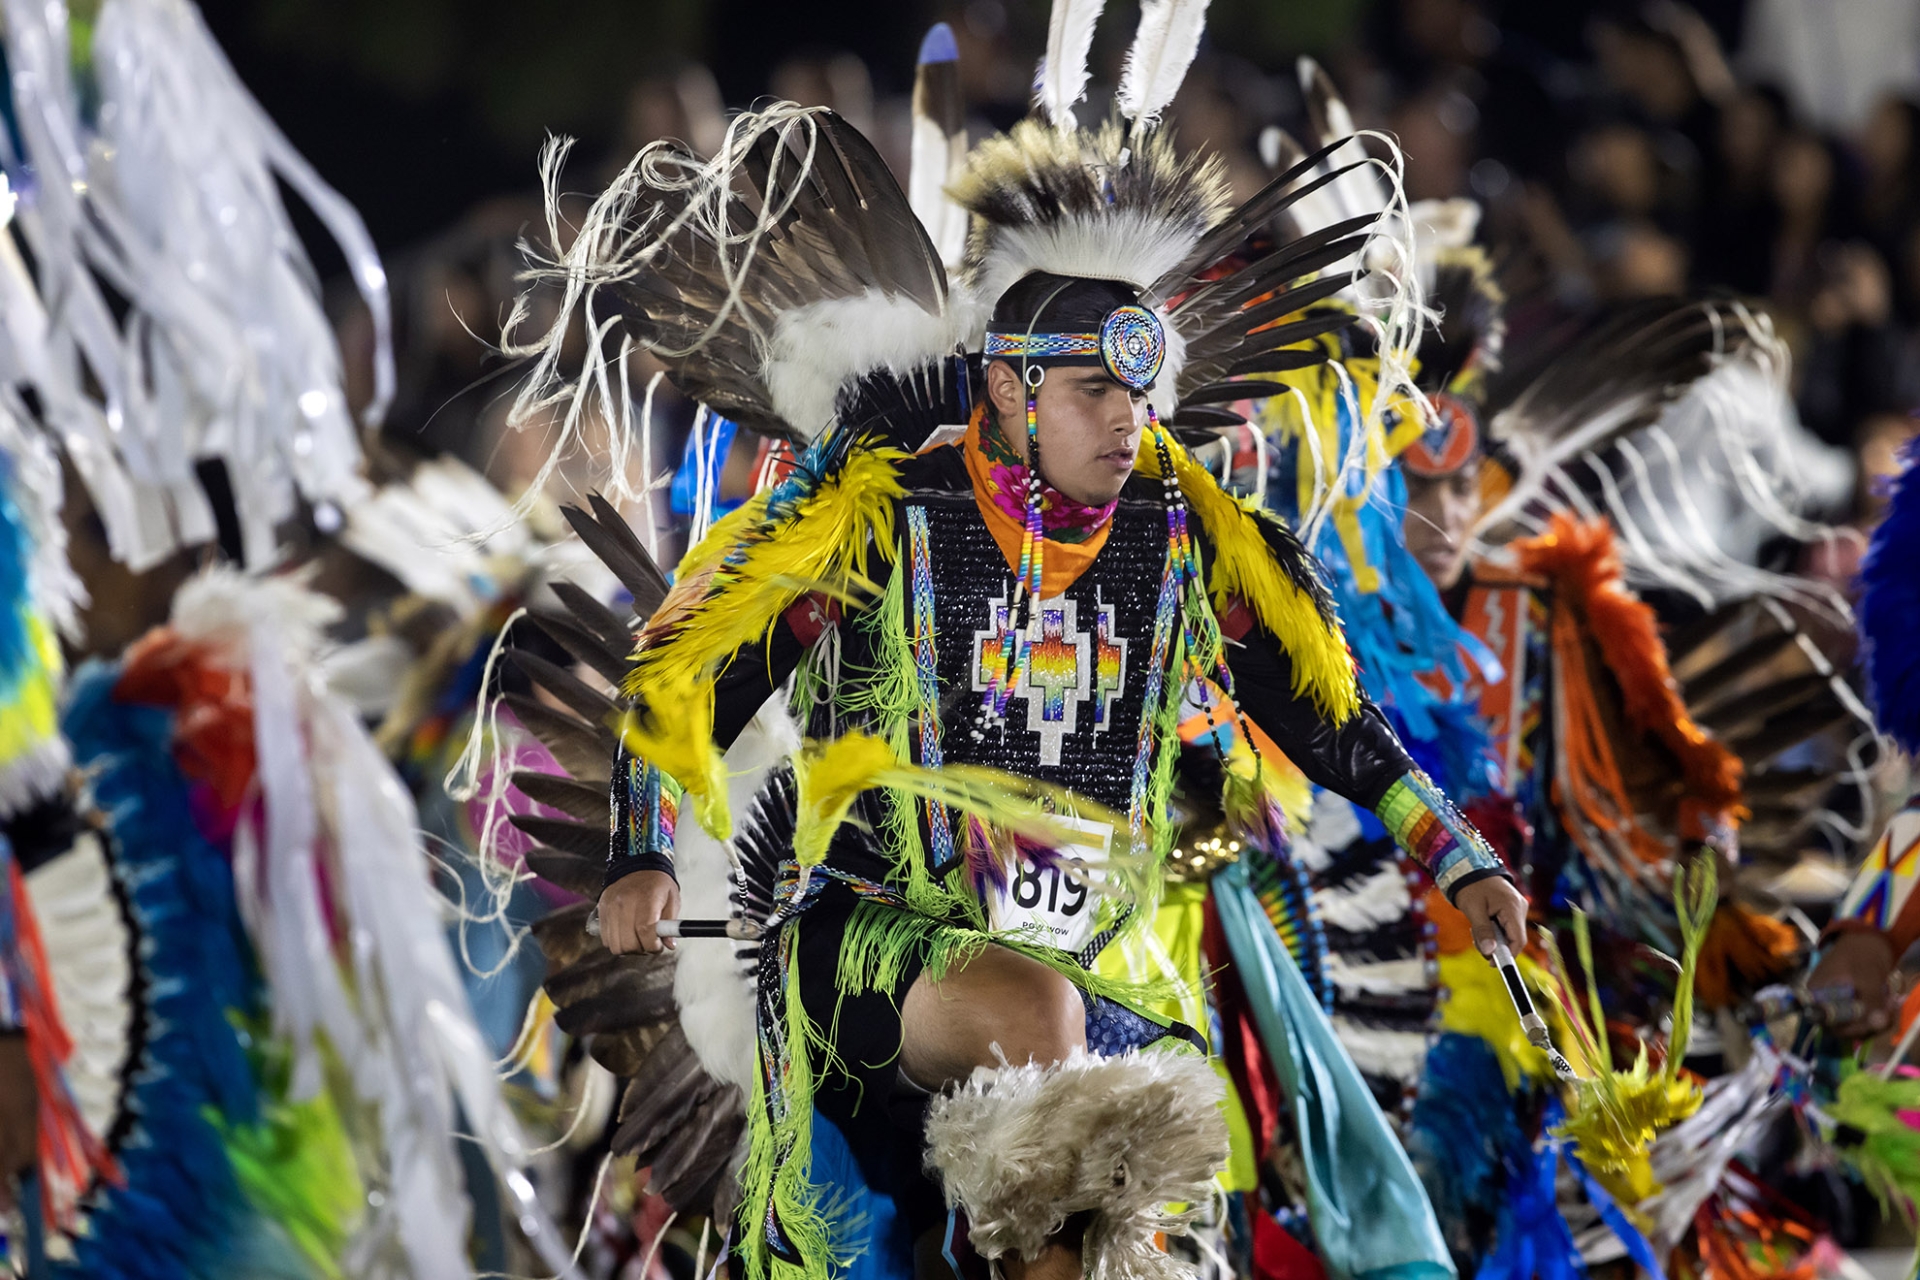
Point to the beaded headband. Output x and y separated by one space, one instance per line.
1131 344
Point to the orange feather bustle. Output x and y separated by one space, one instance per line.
1581 562
1743 951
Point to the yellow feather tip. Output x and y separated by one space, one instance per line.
671 728
1616 1115
1244 566
829 777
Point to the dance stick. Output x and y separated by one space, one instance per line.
738 930
1530 1020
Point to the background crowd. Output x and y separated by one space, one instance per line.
1766 149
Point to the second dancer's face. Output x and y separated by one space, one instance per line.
1441 513
1089 427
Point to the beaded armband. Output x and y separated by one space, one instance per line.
1424 823
646 803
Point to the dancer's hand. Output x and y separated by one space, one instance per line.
632 907
1856 966
19 1114
1497 912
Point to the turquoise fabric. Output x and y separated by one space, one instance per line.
1371 1217
873 1232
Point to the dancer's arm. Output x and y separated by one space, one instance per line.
1877 921
639 889
1364 761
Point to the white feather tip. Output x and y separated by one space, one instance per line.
1062 79
1168 39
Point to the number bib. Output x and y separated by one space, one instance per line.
1053 904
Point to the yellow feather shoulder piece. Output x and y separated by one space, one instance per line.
730 590
1246 566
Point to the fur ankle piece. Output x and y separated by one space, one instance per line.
1021 1149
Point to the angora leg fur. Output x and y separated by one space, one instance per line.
1020 1149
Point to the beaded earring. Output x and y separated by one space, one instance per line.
1024 603
1183 626
1031 543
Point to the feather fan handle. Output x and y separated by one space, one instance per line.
1062 81
1168 39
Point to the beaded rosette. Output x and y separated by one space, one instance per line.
1133 346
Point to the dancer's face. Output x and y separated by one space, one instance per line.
1089 427
1440 516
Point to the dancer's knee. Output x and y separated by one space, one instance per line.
998 1003
1045 1021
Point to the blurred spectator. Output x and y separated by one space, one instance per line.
1617 172
1733 236
1803 179
838 80
1436 130
685 105
1636 259
1213 113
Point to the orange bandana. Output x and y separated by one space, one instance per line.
998 490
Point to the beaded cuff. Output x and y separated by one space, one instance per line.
1425 824
646 803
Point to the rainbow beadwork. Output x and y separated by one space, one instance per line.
652 809
1133 346
1041 346
1424 823
1131 343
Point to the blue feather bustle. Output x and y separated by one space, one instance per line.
1402 634
1465 1140
1890 609
16 592
181 1213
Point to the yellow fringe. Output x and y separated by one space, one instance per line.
1281 419
671 728
829 777
1244 566
729 591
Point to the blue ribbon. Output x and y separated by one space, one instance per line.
1371 1217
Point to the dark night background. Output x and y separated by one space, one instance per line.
416 109
1618 150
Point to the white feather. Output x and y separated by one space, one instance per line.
90 961
439 532
1168 39
1378 977
1335 823
390 1004
1378 899
1690 1159
816 350
715 997
1063 76
169 196
1397 1055
936 158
